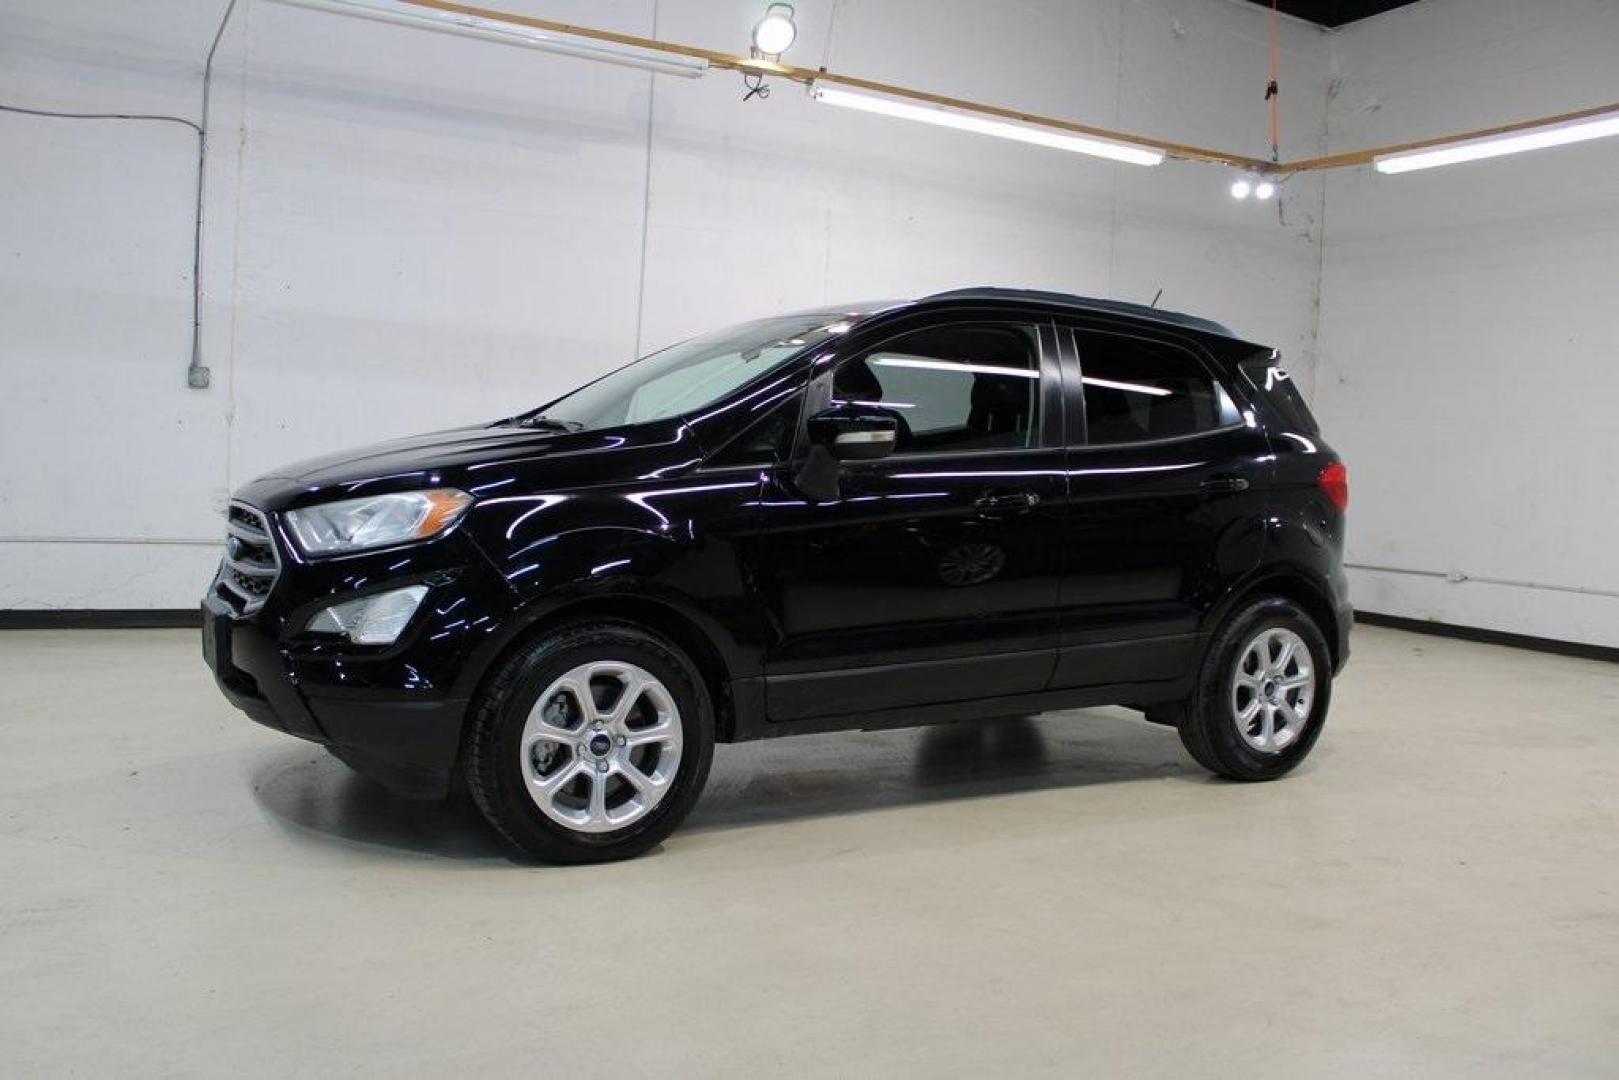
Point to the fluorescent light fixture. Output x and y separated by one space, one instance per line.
1594 127
953 366
532 37
1127 387
993 369
943 116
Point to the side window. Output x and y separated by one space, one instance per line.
955 388
1268 376
1138 389
767 441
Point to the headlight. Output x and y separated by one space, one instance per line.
378 521
371 620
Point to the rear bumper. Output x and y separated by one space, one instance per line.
1345 620
1343 617
407 742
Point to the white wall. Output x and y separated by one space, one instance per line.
1469 368
406 231
409 231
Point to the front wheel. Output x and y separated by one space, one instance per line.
1262 694
591 743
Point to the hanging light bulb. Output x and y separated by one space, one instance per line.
1240 188
1264 189
774 33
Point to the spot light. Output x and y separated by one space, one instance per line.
773 34
1257 186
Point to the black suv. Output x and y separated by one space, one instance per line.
985 503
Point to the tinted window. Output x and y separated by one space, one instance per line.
953 388
1269 377
769 439
695 373
1136 389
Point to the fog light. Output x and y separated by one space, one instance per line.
371 620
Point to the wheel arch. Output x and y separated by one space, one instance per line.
662 619
1291 585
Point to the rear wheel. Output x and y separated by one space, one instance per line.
1262 694
591 743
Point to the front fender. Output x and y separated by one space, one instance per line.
618 551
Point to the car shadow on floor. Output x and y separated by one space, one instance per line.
774 780
852 772
310 792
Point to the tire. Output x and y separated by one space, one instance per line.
561 779
1246 648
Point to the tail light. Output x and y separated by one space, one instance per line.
1334 484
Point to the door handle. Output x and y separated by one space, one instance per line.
1216 484
1007 501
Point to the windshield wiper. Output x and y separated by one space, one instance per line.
544 423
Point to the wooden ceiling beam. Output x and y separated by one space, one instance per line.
1181 151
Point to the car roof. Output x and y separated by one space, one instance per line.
867 308
1086 303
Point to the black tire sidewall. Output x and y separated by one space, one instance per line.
1229 754
495 772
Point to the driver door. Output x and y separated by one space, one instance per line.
929 575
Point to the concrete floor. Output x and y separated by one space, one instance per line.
1435 892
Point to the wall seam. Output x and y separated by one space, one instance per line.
236 249
1317 356
646 199
1118 120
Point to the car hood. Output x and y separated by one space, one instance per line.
462 457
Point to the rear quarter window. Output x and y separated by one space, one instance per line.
1267 374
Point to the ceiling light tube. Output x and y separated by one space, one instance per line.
983 125
473 26
1127 387
959 367
1594 127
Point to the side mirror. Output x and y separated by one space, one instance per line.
854 433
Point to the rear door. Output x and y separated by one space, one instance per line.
932 576
1166 502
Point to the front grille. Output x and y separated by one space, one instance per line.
251 565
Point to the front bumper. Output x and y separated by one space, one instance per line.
393 713
409 746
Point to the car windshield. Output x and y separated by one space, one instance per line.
691 375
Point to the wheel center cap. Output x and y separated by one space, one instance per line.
599 744
1269 691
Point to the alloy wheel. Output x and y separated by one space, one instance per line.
1272 690
601 747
